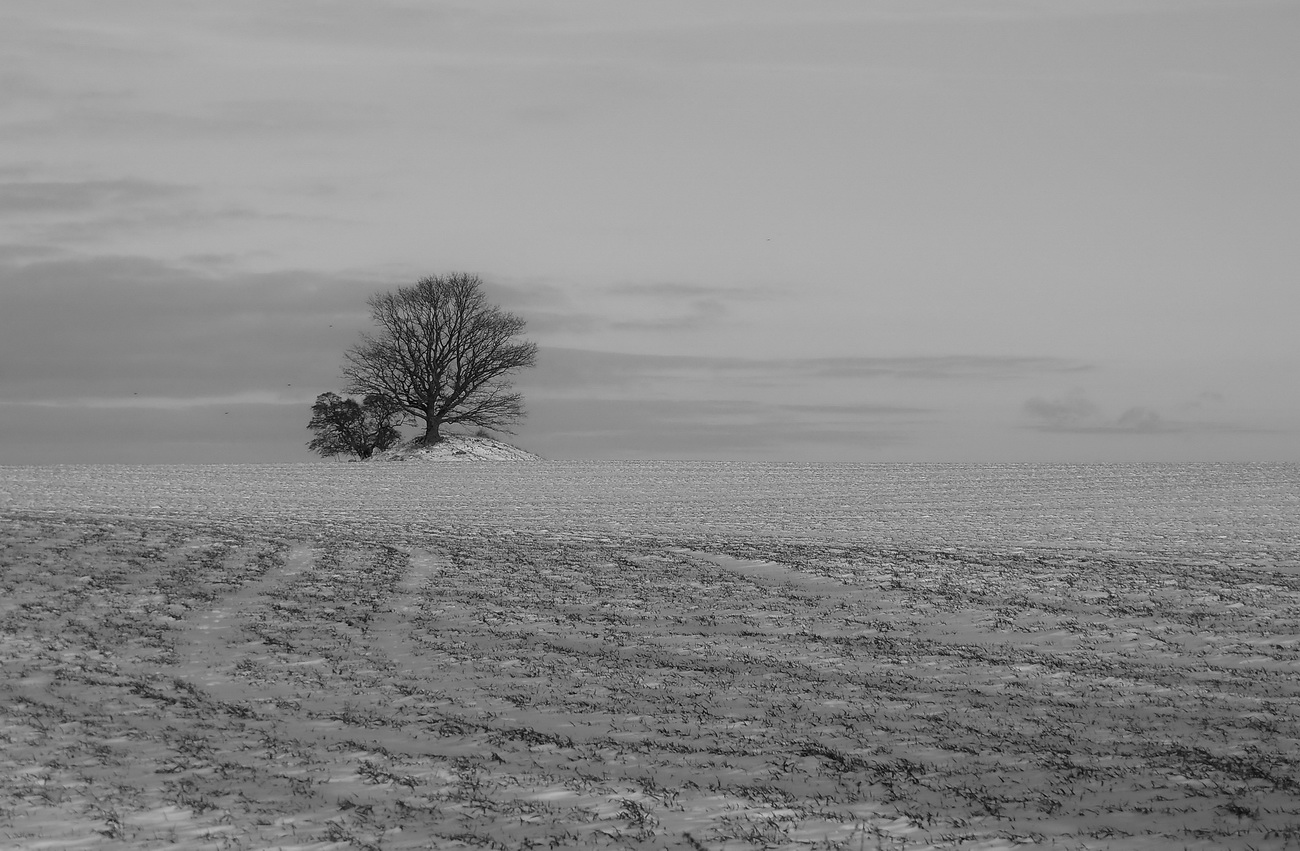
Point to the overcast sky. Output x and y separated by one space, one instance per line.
979 230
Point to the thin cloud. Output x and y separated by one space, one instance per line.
18 254
267 118
118 327
1064 413
169 403
784 38
867 409
1145 420
77 211
93 228
1206 399
943 367
588 403
681 429
25 197
548 308
16 88
682 289
688 306
1077 414
386 24
582 368
172 435
701 313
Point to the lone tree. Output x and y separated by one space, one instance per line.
443 355
343 426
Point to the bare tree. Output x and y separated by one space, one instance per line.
443 354
343 426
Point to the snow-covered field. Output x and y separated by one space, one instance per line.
649 655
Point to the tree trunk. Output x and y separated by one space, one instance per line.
431 435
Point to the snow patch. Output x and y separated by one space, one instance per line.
456 447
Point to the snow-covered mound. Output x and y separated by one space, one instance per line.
456 447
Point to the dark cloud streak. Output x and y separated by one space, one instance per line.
693 430
703 313
24 197
1076 414
682 289
100 327
565 367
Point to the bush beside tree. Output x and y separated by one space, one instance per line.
344 426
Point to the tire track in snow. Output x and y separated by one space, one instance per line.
773 574
210 640
391 634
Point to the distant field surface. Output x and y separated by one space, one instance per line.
356 656
1238 513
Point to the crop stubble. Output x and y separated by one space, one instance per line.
217 685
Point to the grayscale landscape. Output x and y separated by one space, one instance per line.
908 449
581 654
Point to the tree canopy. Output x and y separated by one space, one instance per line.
443 354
